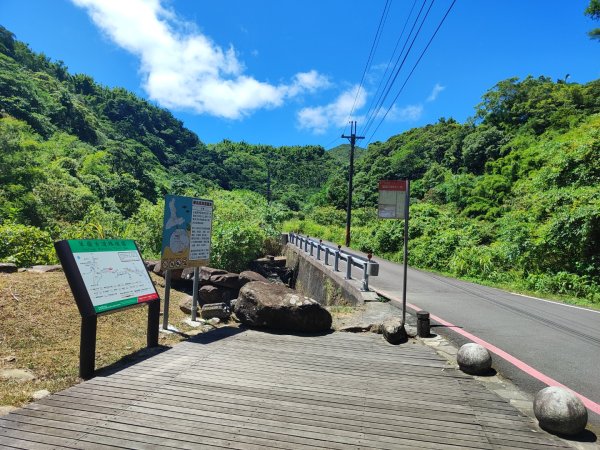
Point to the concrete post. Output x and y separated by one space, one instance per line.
423 325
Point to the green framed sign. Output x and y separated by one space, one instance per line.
105 275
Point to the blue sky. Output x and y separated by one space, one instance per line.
286 73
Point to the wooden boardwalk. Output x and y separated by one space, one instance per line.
251 390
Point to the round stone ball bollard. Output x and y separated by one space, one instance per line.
560 411
474 359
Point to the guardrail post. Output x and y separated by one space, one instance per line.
365 280
306 243
348 267
319 249
366 272
337 259
326 255
312 244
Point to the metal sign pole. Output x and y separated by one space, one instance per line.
195 294
167 295
406 202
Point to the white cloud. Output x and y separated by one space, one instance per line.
409 113
435 92
319 119
184 69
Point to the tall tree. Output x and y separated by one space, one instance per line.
593 11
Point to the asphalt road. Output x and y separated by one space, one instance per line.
560 341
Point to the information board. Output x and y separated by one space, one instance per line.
105 275
187 229
392 198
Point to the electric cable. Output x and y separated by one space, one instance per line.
413 69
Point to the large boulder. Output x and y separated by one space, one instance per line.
207 272
215 294
228 280
248 275
560 411
275 306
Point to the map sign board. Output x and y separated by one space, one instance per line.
187 229
105 275
392 199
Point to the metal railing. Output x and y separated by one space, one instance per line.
315 248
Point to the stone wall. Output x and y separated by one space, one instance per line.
317 281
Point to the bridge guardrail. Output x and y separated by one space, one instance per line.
308 245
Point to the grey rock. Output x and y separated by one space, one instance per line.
46 268
276 306
248 275
215 294
474 359
8 267
186 305
393 330
228 280
38 395
410 331
560 411
18 375
215 311
207 272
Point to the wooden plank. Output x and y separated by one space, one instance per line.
253 389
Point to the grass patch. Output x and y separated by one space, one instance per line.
41 326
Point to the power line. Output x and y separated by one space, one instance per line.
374 45
413 69
399 69
385 73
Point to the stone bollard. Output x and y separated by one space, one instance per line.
559 411
423 325
474 359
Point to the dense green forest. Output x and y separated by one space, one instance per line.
510 197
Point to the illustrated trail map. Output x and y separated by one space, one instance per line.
187 230
113 273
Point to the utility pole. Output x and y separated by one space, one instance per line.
353 137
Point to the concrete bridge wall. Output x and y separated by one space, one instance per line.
321 283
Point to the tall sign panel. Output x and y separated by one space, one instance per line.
106 275
394 201
187 228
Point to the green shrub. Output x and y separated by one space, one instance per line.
25 245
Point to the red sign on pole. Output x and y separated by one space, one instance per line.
392 198
392 185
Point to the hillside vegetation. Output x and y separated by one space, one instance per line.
510 197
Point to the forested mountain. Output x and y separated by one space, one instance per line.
512 196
